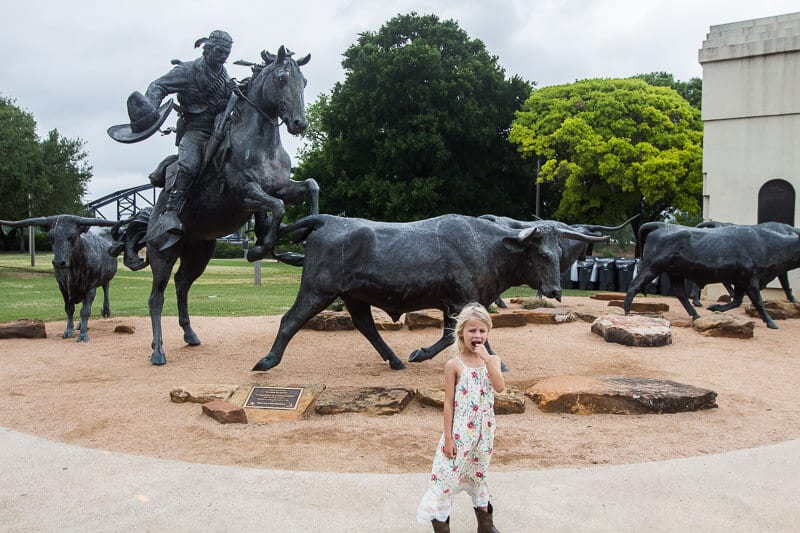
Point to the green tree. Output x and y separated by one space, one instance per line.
619 147
418 128
691 90
40 177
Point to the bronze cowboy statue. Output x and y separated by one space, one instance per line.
204 91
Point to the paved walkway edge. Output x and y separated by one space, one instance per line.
50 486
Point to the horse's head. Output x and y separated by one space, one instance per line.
278 89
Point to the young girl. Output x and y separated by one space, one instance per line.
465 449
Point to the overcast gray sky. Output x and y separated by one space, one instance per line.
73 64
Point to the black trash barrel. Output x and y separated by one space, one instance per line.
566 283
584 275
624 268
606 275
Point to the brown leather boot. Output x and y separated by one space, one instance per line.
441 527
485 522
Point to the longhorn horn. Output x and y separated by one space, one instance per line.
281 54
591 227
576 236
37 221
303 60
85 221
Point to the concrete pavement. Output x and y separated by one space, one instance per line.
50 486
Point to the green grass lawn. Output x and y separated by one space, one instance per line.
225 289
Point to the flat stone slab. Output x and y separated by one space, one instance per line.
510 401
426 318
631 330
23 329
225 412
642 307
548 315
777 309
508 320
366 400
608 296
724 325
202 392
585 395
262 416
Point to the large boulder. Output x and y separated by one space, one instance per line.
617 395
777 309
367 400
633 330
724 325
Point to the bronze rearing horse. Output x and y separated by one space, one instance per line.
248 175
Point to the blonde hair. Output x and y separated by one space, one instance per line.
471 310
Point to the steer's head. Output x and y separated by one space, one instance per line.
64 232
542 255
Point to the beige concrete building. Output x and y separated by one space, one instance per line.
751 117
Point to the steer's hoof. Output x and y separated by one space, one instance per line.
158 358
68 334
83 337
419 356
191 338
265 363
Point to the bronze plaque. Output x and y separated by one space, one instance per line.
284 398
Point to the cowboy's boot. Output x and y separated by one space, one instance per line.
485 522
441 527
168 221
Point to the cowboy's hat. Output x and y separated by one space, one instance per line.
145 119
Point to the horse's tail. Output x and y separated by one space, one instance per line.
131 239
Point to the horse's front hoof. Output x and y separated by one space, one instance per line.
772 325
503 367
714 307
191 339
397 365
418 356
265 363
158 358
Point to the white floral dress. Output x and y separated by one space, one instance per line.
473 432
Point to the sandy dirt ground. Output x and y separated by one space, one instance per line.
105 394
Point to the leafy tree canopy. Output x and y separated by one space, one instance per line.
418 127
691 90
54 170
618 147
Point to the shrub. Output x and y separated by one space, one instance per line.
228 250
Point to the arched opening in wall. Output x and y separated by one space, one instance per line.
776 200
